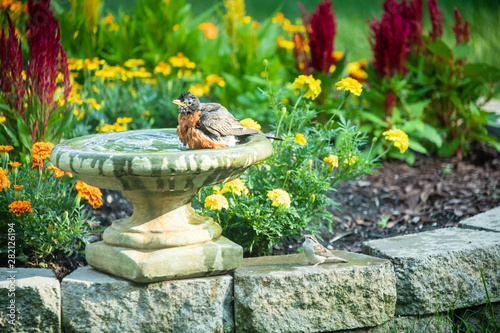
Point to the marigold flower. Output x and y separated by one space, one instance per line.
36 162
300 139
163 68
14 165
250 123
4 181
58 172
199 90
142 73
91 193
209 30
286 44
93 102
180 60
3 119
216 202
123 120
19 207
279 198
42 149
351 160
134 62
107 128
307 81
338 55
4 149
235 186
214 78
332 160
399 138
350 84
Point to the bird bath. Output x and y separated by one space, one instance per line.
164 239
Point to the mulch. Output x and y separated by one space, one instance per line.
397 199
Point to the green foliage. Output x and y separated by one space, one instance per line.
297 167
57 224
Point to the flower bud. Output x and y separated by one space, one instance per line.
312 198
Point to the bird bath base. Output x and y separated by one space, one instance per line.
164 239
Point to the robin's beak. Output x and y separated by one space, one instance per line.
176 101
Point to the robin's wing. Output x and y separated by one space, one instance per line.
216 120
322 251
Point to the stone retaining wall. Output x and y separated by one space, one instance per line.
425 282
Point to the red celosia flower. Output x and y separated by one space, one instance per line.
436 20
462 32
414 13
11 57
46 55
320 28
389 40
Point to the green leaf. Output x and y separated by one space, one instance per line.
431 134
414 145
232 81
417 109
484 71
449 148
12 136
24 133
461 51
373 118
439 48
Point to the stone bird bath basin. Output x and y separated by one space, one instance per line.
164 239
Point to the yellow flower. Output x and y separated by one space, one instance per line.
134 62
4 149
399 138
332 68
250 123
108 72
3 119
92 64
307 81
356 72
216 202
235 186
142 72
289 45
163 68
247 19
350 160
300 139
198 89
19 207
175 27
209 30
93 102
332 160
214 78
338 55
91 193
79 113
279 18
146 113
123 120
350 84
14 165
42 149
180 60
279 197
4 181
107 128
110 23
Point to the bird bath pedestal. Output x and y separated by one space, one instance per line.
164 239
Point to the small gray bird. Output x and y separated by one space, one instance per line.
316 252
208 125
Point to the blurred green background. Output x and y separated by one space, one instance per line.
352 29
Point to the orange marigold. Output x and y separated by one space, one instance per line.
4 181
4 149
58 172
36 161
91 193
42 149
14 165
19 207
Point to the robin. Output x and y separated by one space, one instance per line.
208 125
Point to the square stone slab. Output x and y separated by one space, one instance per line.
37 306
281 294
489 221
438 269
98 302
210 258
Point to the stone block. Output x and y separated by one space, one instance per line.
281 294
37 305
439 269
488 221
98 302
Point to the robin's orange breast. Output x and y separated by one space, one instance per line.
191 136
